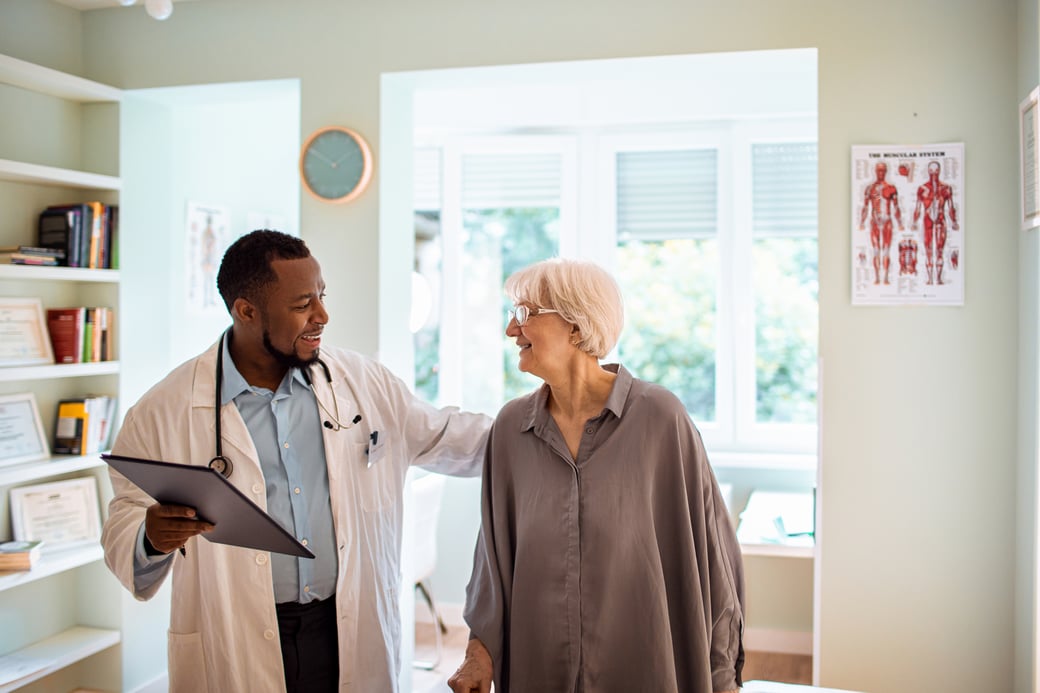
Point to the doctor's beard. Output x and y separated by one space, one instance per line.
288 360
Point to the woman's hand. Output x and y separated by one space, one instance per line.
476 671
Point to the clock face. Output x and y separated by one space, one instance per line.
335 164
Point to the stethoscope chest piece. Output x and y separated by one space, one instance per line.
221 465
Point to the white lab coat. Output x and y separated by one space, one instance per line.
223 635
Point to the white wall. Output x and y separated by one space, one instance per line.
920 417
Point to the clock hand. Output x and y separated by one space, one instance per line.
321 156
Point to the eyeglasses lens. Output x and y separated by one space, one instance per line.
520 314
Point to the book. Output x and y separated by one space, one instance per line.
66 228
65 327
70 429
19 555
84 424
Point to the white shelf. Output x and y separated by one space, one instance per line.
53 563
44 80
778 550
57 652
44 469
58 274
10 374
21 172
763 460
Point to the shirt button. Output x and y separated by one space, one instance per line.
296 490
268 634
306 588
285 445
304 542
257 488
588 430
261 559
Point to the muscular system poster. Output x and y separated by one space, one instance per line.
907 224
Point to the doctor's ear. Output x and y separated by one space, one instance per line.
242 309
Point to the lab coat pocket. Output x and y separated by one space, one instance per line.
187 663
376 478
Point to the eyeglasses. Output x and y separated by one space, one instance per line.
523 313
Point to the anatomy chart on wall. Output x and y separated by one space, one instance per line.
206 240
907 224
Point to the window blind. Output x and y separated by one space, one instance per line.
784 189
426 171
493 181
667 194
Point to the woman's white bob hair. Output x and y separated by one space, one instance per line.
582 292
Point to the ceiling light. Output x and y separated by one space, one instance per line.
158 9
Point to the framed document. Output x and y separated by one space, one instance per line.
60 513
21 430
1029 158
23 333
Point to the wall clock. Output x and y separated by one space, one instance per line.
335 164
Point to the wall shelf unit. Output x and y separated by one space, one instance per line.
59 651
61 620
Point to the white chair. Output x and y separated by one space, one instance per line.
427 492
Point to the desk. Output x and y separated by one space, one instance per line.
773 687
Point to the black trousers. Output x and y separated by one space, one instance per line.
310 646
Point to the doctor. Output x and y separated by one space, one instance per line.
321 438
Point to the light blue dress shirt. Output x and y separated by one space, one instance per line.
285 426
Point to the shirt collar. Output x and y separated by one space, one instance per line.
538 409
234 384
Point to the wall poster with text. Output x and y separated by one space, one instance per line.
907 224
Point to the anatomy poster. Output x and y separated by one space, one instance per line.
206 240
907 224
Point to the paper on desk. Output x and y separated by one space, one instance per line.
777 518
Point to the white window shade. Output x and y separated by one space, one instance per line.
667 194
784 177
495 181
426 192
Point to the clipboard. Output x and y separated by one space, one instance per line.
237 520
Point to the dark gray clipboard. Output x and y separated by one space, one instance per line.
238 521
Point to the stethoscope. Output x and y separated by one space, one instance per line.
220 463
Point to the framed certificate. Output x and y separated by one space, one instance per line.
1029 159
23 333
60 513
21 430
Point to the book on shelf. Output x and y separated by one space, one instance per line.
31 255
81 334
84 424
65 327
85 231
19 555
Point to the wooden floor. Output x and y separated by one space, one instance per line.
764 666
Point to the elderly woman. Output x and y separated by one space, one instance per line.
606 559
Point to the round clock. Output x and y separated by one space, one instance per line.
335 164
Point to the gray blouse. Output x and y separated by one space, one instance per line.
615 571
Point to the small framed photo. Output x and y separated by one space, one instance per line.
24 340
21 430
62 514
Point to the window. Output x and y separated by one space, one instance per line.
710 229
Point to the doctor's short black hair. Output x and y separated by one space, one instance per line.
246 270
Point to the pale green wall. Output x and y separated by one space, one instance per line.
919 407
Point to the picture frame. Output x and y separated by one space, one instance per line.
62 514
1029 159
22 438
24 340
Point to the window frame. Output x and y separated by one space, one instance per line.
588 229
